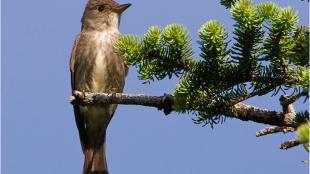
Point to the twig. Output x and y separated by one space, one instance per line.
288 108
256 93
272 130
289 117
286 100
246 113
289 144
165 103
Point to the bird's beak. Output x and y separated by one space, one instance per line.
121 8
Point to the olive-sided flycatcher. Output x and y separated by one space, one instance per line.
96 67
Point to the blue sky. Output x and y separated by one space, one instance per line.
38 129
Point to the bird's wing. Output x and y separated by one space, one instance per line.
73 60
80 122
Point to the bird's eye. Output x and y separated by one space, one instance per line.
100 8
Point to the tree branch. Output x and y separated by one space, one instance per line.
289 144
164 103
252 113
287 100
243 112
272 130
256 93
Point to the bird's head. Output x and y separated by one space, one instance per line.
102 14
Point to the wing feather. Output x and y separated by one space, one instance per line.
79 118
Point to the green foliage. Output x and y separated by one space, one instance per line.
248 35
267 10
280 43
228 3
208 78
303 135
301 118
213 46
131 47
304 76
268 52
301 49
159 54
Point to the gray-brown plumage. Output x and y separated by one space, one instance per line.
96 67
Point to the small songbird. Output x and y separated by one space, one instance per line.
96 67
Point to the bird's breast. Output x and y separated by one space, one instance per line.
102 63
99 69
107 72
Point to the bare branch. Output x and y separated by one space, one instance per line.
252 113
289 144
243 112
164 103
287 100
272 130
288 108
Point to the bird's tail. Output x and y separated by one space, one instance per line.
95 160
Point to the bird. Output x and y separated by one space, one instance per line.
95 66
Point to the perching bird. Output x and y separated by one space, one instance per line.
96 67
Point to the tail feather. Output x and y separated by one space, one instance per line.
95 161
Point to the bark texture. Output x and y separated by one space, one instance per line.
165 103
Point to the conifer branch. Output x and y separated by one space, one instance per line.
164 102
243 112
268 53
289 144
258 115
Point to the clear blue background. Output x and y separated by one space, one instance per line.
38 129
